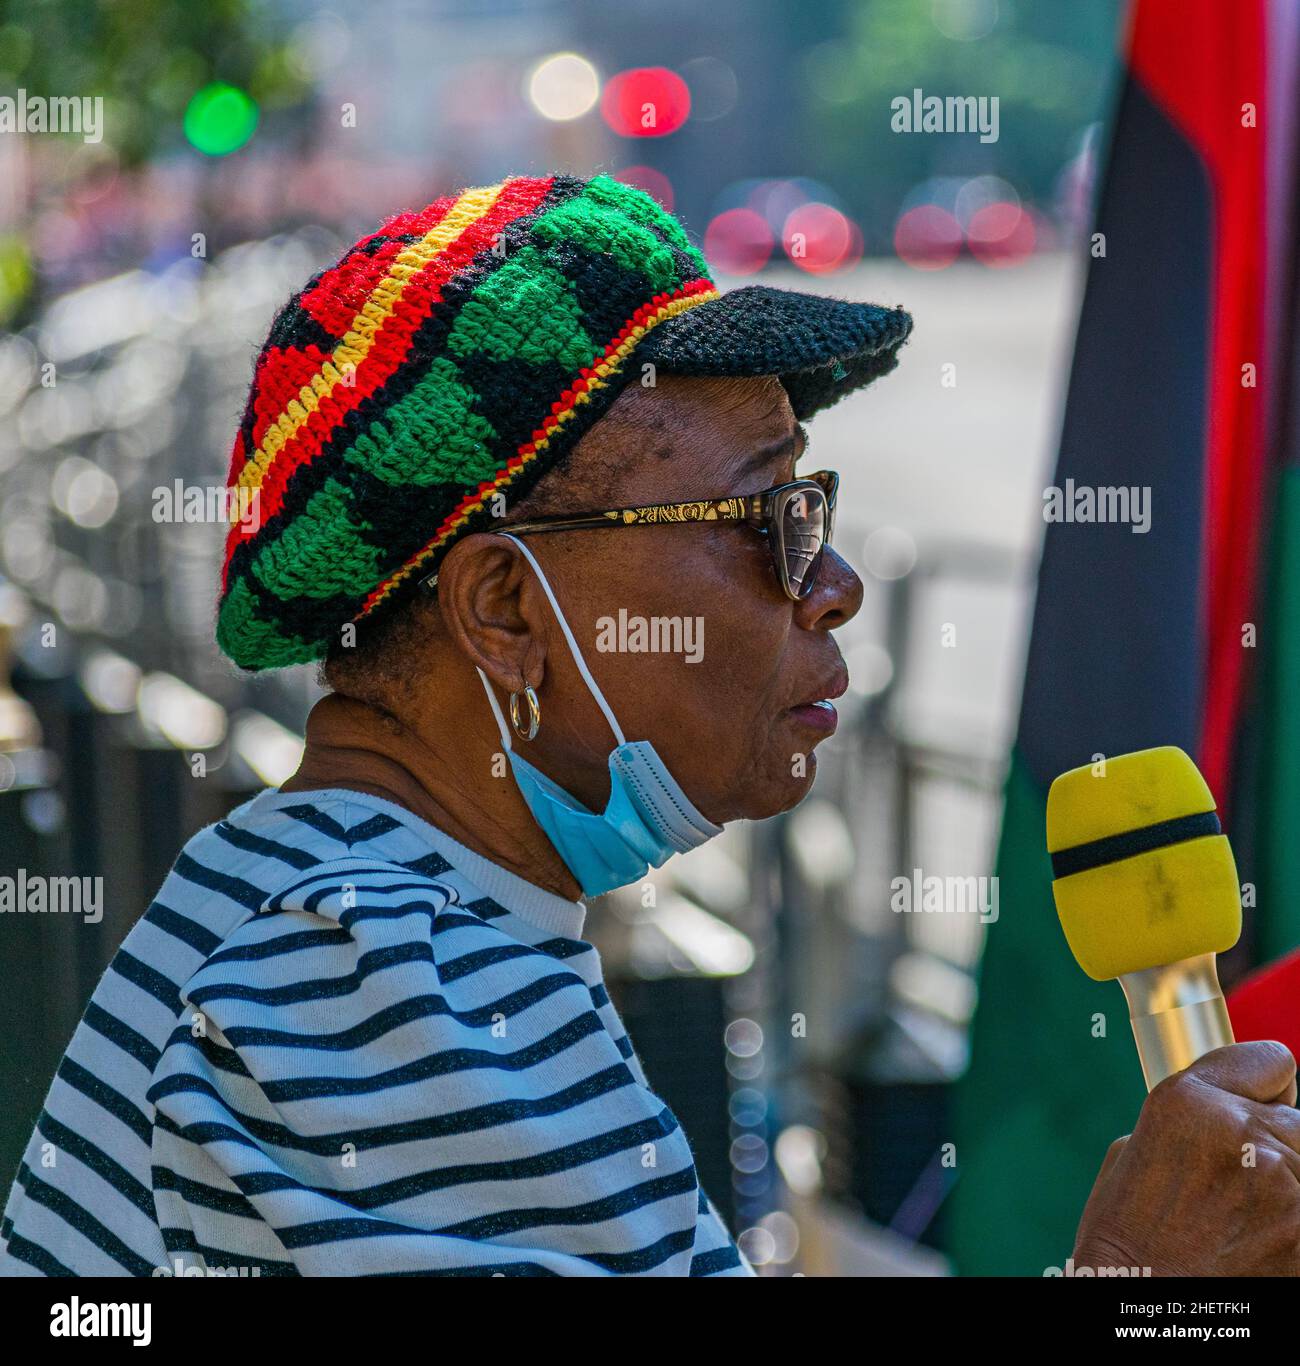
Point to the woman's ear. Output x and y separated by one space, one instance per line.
494 610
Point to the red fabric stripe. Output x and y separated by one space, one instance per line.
339 294
1267 1004
1202 61
391 345
281 373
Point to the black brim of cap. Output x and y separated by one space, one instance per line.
820 348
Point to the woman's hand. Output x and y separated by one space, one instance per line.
1208 1183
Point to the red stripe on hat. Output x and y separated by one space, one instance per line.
281 373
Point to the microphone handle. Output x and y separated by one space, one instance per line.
1178 1014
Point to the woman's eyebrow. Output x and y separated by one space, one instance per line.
793 444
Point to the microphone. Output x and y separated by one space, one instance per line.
1146 889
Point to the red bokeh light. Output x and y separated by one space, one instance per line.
645 102
928 237
654 183
739 242
820 239
1001 234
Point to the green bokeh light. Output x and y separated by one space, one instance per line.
220 119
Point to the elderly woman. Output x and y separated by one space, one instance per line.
359 1031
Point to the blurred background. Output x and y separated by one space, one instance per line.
807 1034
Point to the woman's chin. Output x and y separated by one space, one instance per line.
782 793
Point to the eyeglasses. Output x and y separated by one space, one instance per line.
798 519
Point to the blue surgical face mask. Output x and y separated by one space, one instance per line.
648 817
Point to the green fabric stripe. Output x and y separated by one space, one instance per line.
633 246
1277 922
254 640
525 308
432 436
642 209
1043 1098
319 554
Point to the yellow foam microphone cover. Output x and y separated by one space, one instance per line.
1142 875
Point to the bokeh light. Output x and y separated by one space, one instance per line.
1001 235
820 239
563 86
713 86
928 237
653 182
739 242
964 21
645 102
220 119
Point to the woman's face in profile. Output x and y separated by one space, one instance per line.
685 627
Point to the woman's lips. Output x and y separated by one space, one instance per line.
820 716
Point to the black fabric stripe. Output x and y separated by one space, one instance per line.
368 1198
296 941
106 1168
182 1240
181 927
710 1263
317 988
106 1097
200 1193
129 1040
430 865
403 1012
438 898
313 816
590 1212
1081 858
441 1064
236 889
148 979
83 1221
486 909
24 1250
259 844
467 964
335 878
479 1117
378 824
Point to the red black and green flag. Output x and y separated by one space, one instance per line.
1185 633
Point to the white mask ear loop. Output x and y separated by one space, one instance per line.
496 708
573 649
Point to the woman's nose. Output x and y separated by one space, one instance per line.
836 597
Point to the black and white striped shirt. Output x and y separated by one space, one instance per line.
340 1043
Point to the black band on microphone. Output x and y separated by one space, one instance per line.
1113 848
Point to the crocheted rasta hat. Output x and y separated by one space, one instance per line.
412 392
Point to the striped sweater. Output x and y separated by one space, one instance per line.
340 1043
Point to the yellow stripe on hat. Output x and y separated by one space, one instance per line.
360 337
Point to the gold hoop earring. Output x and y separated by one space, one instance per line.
534 712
